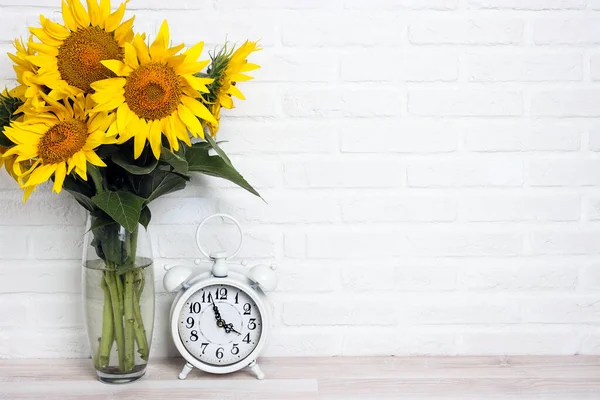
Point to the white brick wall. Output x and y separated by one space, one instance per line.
431 168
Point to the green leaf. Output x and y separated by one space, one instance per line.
123 207
100 223
134 169
159 183
200 161
81 191
178 163
145 217
216 147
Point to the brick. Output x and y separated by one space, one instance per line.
519 340
405 276
177 241
563 309
40 277
349 173
398 342
459 309
13 242
282 208
466 173
398 137
465 103
296 66
595 67
45 343
59 310
41 209
573 31
568 242
383 208
308 276
302 342
466 31
590 278
523 136
259 172
262 100
520 207
591 207
401 4
337 310
228 5
320 31
165 5
566 103
342 103
361 243
251 137
397 66
529 4
519 275
564 172
594 138
56 243
525 67
14 23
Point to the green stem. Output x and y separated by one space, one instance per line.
103 355
117 317
129 320
140 331
119 280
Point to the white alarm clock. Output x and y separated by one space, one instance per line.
220 319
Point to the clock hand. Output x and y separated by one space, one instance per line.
229 328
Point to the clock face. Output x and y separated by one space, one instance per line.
220 325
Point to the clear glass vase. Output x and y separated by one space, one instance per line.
118 290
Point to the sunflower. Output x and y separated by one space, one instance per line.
70 55
155 92
227 68
60 138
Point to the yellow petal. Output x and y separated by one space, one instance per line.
140 139
41 174
59 177
80 163
114 20
234 91
141 48
68 17
94 12
93 158
55 30
193 53
198 84
191 68
161 42
155 137
198 109
124 117
44 48
41 34
124 33
81 16
104 11
118 67
130 56
190 120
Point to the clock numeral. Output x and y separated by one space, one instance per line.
247 309
204 346
190 322
195 308
219 353
221 294
235 350
246 338
194 336
207 299
252 324
237 295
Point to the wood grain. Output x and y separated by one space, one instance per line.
350 378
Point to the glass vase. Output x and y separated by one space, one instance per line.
118 290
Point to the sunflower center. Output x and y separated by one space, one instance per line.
80 54
62 141
153 91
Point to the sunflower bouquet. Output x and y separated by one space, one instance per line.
116 120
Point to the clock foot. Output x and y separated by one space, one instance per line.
186 370
256 370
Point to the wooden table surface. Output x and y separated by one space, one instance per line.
346 378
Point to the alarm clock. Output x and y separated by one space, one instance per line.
220 319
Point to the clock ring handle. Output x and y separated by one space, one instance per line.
226 216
